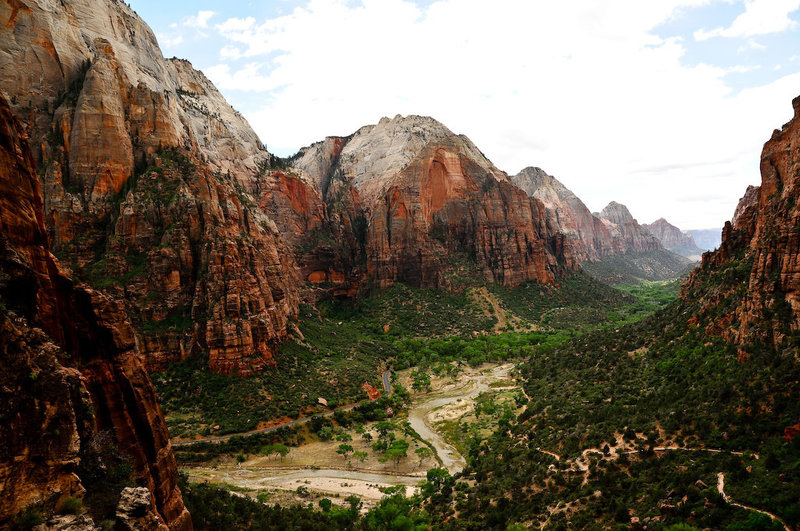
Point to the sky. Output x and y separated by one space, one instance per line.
662 105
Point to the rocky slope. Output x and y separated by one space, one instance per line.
610 245
673 239
627 234
70 371
415 196
148 178
587 235
760 251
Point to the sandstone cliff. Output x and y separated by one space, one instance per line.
759 298
587 235
627 234
673 239
149 179
427 197
76 377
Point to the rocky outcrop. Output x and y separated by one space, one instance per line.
746 208
761 247
587 235
135 511
79 376
427 196
626 232
149 180
673 239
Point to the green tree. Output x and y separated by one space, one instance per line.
344 450
423 452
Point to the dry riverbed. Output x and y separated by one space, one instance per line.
314 470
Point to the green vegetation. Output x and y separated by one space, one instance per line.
105 472
625 421
607 400
346 345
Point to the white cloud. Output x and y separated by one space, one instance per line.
583 89
169 41
761 17
200 20
752 44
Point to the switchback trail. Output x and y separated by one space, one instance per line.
387 387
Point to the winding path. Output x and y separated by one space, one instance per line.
387 387
728 500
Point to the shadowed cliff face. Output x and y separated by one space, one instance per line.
427 197
149 181
80 376
762 246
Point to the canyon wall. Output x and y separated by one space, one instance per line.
760 251
70 369
148 178
430 199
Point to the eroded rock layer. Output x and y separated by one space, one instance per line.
80 376
148 178
762 246
417 197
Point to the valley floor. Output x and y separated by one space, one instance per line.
315 470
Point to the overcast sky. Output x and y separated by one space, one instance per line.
663 105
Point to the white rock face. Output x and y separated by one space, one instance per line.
374 154
46 42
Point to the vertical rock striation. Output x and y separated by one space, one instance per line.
149 181
761 245
86 355
428 197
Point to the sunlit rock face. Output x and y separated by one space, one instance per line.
427 195
763 241
149 179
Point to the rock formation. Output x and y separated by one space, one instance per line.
627 234
587 235
610 245
427 196
148 179
673 239
760 251
70 369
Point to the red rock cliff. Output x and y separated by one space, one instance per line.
763 243
430 198
149 183
87 354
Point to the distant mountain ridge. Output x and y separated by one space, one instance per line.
706 239
674 239
610 244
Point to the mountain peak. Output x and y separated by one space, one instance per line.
616 213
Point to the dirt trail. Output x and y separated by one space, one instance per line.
491 307
728 500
